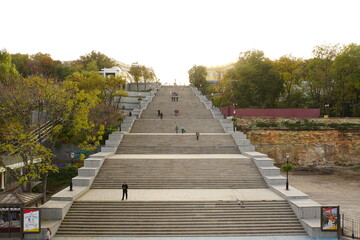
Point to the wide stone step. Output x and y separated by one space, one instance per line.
177 144
168 125
179 174
207 218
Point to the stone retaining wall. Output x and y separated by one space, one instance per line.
309 148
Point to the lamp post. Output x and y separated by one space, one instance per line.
212 99
72 155
327 109
287 155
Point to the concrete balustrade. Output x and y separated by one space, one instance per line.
88 171
269 171
93 162
263 162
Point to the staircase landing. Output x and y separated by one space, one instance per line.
111 195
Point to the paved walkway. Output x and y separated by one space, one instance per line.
175 134
177 156
198 238
109 195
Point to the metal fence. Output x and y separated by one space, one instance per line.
350 227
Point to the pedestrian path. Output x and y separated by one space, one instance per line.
303 237
111 195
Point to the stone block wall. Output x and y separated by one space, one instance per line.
310 147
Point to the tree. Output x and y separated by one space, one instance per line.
148 75
98 59
346 68
320 76
290 72
136 72
113 91
7 69
41 65
62 71
21 62
254 81
19 147
197 77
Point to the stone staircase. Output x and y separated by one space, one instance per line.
179 174
168 125
149 137
177 144
180 219
189 105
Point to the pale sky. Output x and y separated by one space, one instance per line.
173 35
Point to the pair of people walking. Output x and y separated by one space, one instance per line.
160 114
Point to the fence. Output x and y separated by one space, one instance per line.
350 227
287 113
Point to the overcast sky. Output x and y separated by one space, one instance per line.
173 35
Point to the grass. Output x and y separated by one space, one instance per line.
356 168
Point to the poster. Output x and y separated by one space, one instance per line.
330 218
31 220
9 219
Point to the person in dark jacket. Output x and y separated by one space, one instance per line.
125 190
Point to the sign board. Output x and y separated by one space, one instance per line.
10 219
31 221
330 218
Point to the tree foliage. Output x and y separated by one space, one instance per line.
19 148
329 81
95 61
147 74
137 72
7 69
197 77
254 81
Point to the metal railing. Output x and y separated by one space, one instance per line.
350 227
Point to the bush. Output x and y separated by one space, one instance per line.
287 167
61 179
267 124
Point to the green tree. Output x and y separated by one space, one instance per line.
254 81
197 77
347 81
320 77
18 147
62 71
148 75
101 60
290 70
21 62
113 91
136 72
7 69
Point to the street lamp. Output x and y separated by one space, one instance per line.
287 155
212 99
327 109
72 155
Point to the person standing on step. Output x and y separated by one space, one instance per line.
125 190
176 129
182 129
161 115
197 135
48 234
